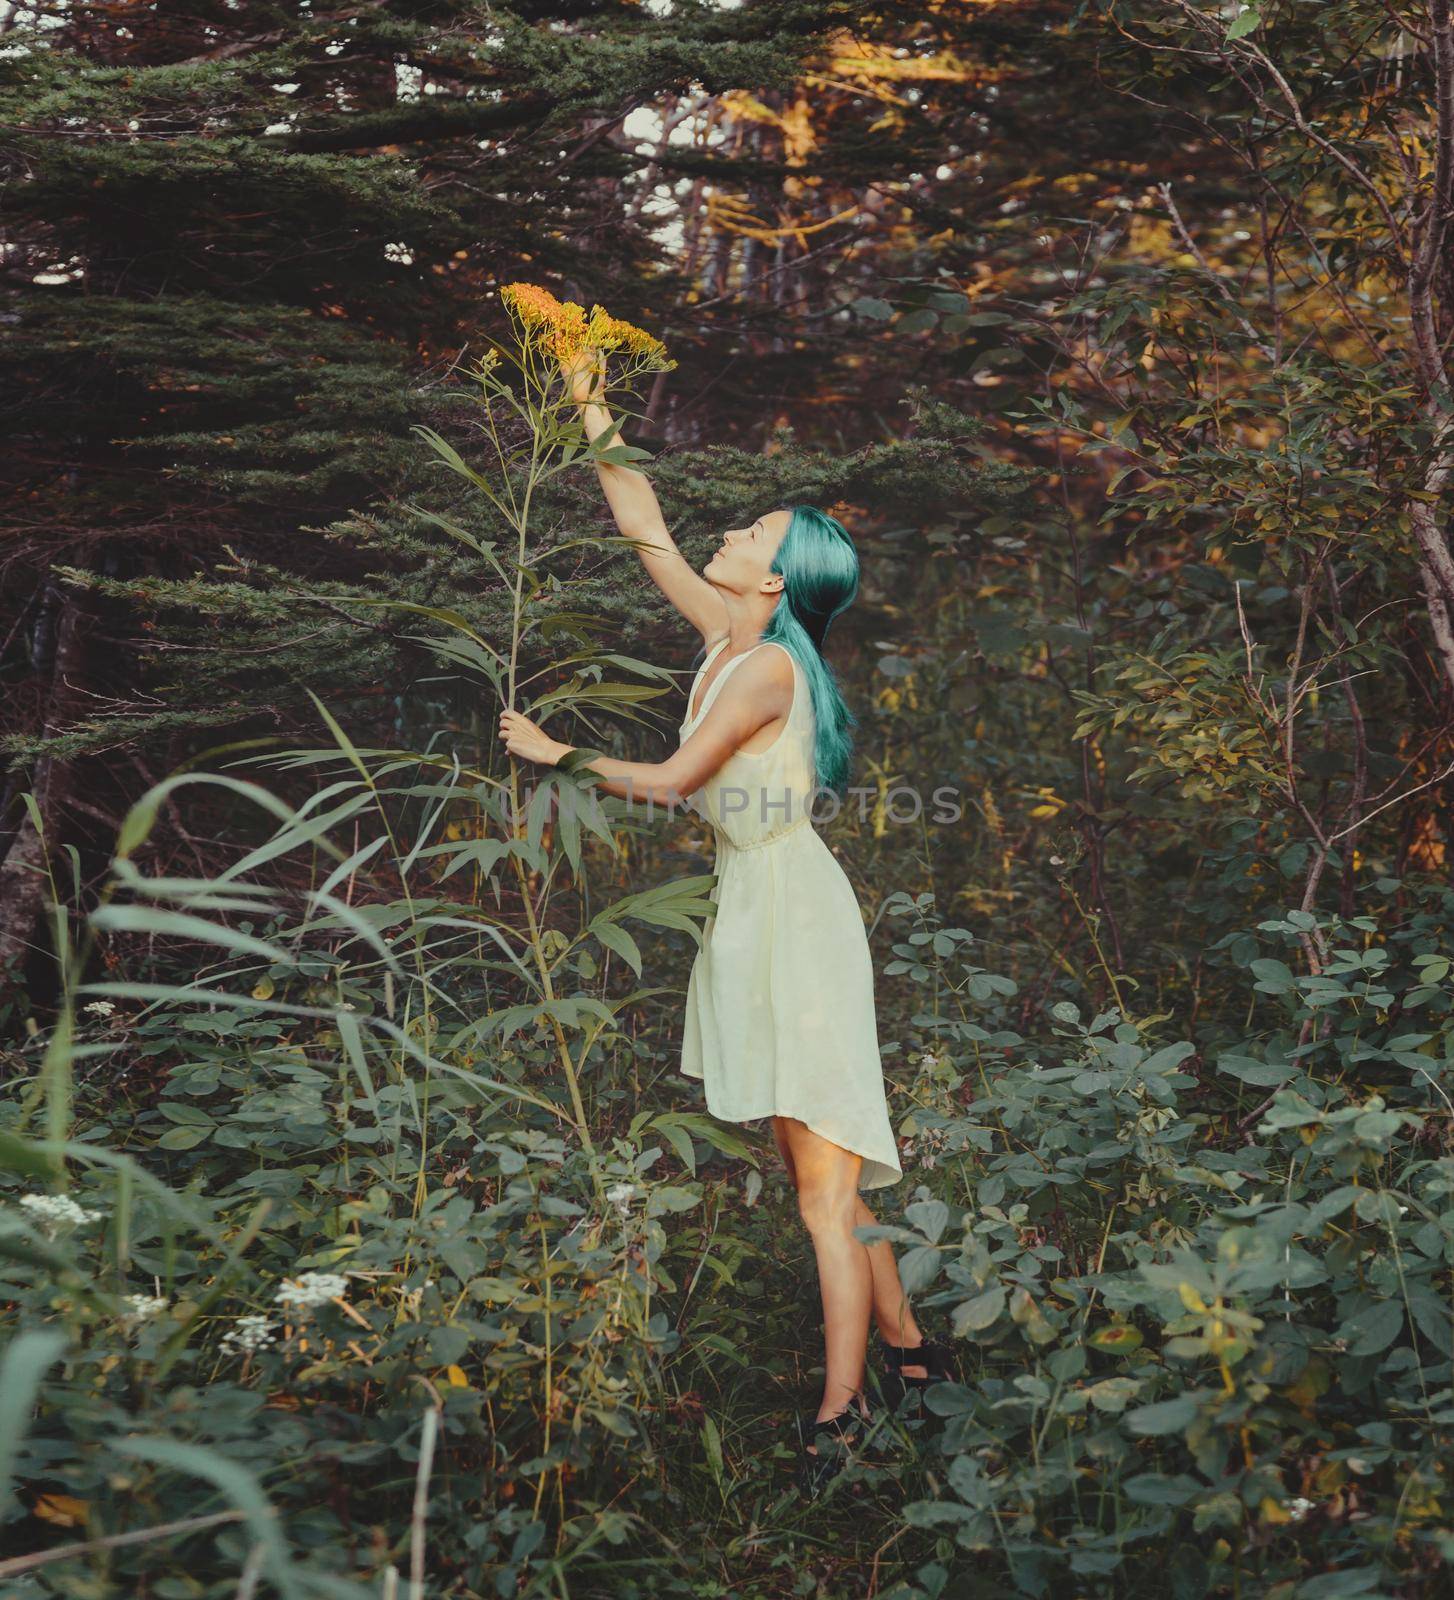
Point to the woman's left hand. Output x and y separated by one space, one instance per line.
523 739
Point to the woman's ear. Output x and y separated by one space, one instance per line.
773 583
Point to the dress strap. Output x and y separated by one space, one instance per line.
711 693
707 661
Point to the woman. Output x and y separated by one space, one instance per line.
780 1013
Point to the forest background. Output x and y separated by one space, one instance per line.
360 1237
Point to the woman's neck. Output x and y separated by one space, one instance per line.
747 618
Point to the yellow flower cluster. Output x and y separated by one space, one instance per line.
534 306
566 330
605 332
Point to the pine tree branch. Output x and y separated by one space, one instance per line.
419 123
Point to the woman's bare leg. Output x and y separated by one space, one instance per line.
891 1309
892 1313
826 1179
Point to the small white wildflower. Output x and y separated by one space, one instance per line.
101 1008
249 1334
311 1289
54 1211
621 1195
139 1307
1299 1508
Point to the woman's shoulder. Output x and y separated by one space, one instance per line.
781 665
759 669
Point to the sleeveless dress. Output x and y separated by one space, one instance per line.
780 1009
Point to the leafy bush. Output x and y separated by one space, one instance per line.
1197 1326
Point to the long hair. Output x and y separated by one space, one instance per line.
819 568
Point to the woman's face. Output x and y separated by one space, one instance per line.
742 561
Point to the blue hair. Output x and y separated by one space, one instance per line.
819 568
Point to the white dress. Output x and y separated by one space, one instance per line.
780 1009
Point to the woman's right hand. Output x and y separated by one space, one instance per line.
585 375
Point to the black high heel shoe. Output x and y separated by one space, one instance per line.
934 1355
826 1447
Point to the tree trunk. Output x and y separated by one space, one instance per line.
23 885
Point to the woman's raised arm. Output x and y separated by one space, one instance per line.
638 515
